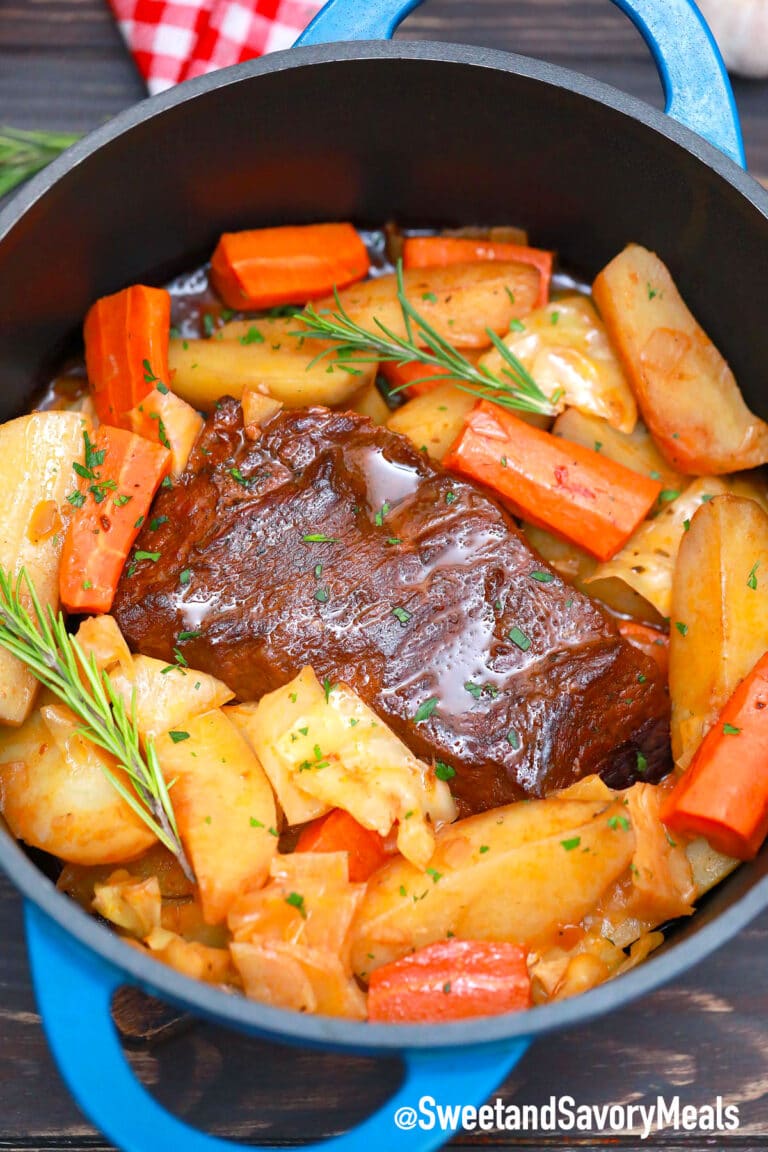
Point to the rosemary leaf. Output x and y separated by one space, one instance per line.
512 388
23 153
40 641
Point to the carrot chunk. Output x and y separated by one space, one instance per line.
450 980
724 793
649 640
122 472
564 487
431 251
126 349
290 265
340 832
411 377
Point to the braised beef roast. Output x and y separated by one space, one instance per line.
331 542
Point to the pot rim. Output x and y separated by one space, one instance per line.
282 1024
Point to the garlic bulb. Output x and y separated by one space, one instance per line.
741 29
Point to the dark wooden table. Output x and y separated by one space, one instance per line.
62 65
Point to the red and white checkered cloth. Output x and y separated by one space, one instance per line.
174 40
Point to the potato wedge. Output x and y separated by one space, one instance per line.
578 567
37 453
434 420
224 808
646 563
460 301
687 394
518 873
167 698
263 355
636 451
370 402
55 796
719 614
565 348
327 744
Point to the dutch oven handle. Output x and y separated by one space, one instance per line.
696 85
74 988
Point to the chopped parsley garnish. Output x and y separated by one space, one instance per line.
256 823
328 687
76 498
153 556
121 500
318 538
184 636
642 764
686 525
668 494
139 522
208 324
322 595
682 628
519 638
542 577
297 901
252 336
379 517
731 730
752 578
167 482
569 845
555 316
401 615
516 325
618 822
425 709
484 848
149 375
450 497
178 736
430 297
236 474
185 577
513 738
394 540
436 876
475 690
156 521
444 771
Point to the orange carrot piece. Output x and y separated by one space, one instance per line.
168 420
554 484
289 265
649 640
432 251
124 472
724 793
402 376
126 349
450 980
340 832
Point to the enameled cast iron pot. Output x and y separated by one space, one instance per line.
430 134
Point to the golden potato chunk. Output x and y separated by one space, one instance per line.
687 394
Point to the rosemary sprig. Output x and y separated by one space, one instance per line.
352 344
22 153
41 641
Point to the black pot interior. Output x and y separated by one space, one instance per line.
423 134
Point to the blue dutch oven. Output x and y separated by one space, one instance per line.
348 126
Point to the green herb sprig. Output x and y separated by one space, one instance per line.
22 154
352 344
41 642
